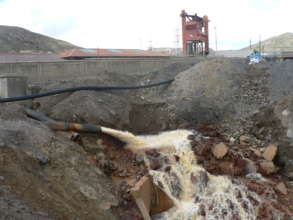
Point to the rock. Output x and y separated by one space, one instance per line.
282 188
257 152
105 205
250 167
244 140
91 145
256 176
100 144
200 180
149 198
155 164
267 167
286 112
220 150
232 140
270 152
153 153
226 167
139 158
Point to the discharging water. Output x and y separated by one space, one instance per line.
196 194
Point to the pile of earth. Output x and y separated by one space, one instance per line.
269 124
204 90
45 175
216 89
220 88
119 109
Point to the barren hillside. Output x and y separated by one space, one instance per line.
16 39
283 42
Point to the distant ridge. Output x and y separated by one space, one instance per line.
283 42
16 40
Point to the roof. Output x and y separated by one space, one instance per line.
27 57
88 53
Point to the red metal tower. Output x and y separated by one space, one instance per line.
195 34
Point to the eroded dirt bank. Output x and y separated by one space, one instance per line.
44 174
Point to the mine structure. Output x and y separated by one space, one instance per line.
195 34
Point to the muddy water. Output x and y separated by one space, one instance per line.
196 194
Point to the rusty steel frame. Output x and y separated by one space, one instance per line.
195 34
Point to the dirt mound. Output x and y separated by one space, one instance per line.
172 70
281 79
47 176
204 90
83 107
272 124
12 111
118 109
218 88
109 108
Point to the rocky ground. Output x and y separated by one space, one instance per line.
242 109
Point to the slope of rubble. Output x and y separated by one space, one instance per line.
240 113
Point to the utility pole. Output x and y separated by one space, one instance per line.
260 44
250 43
216 38
98 51
150 45
177 41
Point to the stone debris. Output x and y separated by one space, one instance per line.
244 140
281 187
220 150
268 167
256 176
250 166
232 140
257 152
270 152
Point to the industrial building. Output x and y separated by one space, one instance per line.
195 34
104 53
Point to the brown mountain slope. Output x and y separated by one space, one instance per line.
16 39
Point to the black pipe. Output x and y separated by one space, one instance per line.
37 115
99 88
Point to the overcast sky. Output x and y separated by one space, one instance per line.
139 23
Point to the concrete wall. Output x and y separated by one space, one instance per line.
41 71
11 86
